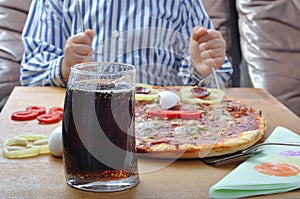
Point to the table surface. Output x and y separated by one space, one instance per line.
43 176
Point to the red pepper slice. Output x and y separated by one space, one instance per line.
170 114
40 109
56 110
24 115
49 118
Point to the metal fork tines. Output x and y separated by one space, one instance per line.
214 73
243 155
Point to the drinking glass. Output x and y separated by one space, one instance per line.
98 127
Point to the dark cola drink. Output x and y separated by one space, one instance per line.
98 137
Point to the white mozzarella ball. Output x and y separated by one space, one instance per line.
168 99
55 142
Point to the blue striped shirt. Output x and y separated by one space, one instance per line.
153 35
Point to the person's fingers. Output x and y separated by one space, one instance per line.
215 62
76 53
89 33
82 38
210 35
211 44
198 32
76 50
208 54
82 49
74 59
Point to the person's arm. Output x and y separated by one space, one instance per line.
206 47
44 40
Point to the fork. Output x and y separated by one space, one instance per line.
214 73
245 154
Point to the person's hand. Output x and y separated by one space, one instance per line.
76 49
207 49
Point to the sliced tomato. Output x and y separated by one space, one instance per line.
170 114
24 115
40 109
49 118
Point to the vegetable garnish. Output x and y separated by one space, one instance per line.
170 114
30 113
50 118
24 115
39 112
145 92
39 109
25 145
56 109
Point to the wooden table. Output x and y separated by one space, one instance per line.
43 176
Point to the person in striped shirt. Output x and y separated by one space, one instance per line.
169 42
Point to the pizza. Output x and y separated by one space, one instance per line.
193 122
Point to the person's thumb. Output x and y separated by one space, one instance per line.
89 33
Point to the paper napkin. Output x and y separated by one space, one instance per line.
259 174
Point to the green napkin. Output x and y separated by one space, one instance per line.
246 180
